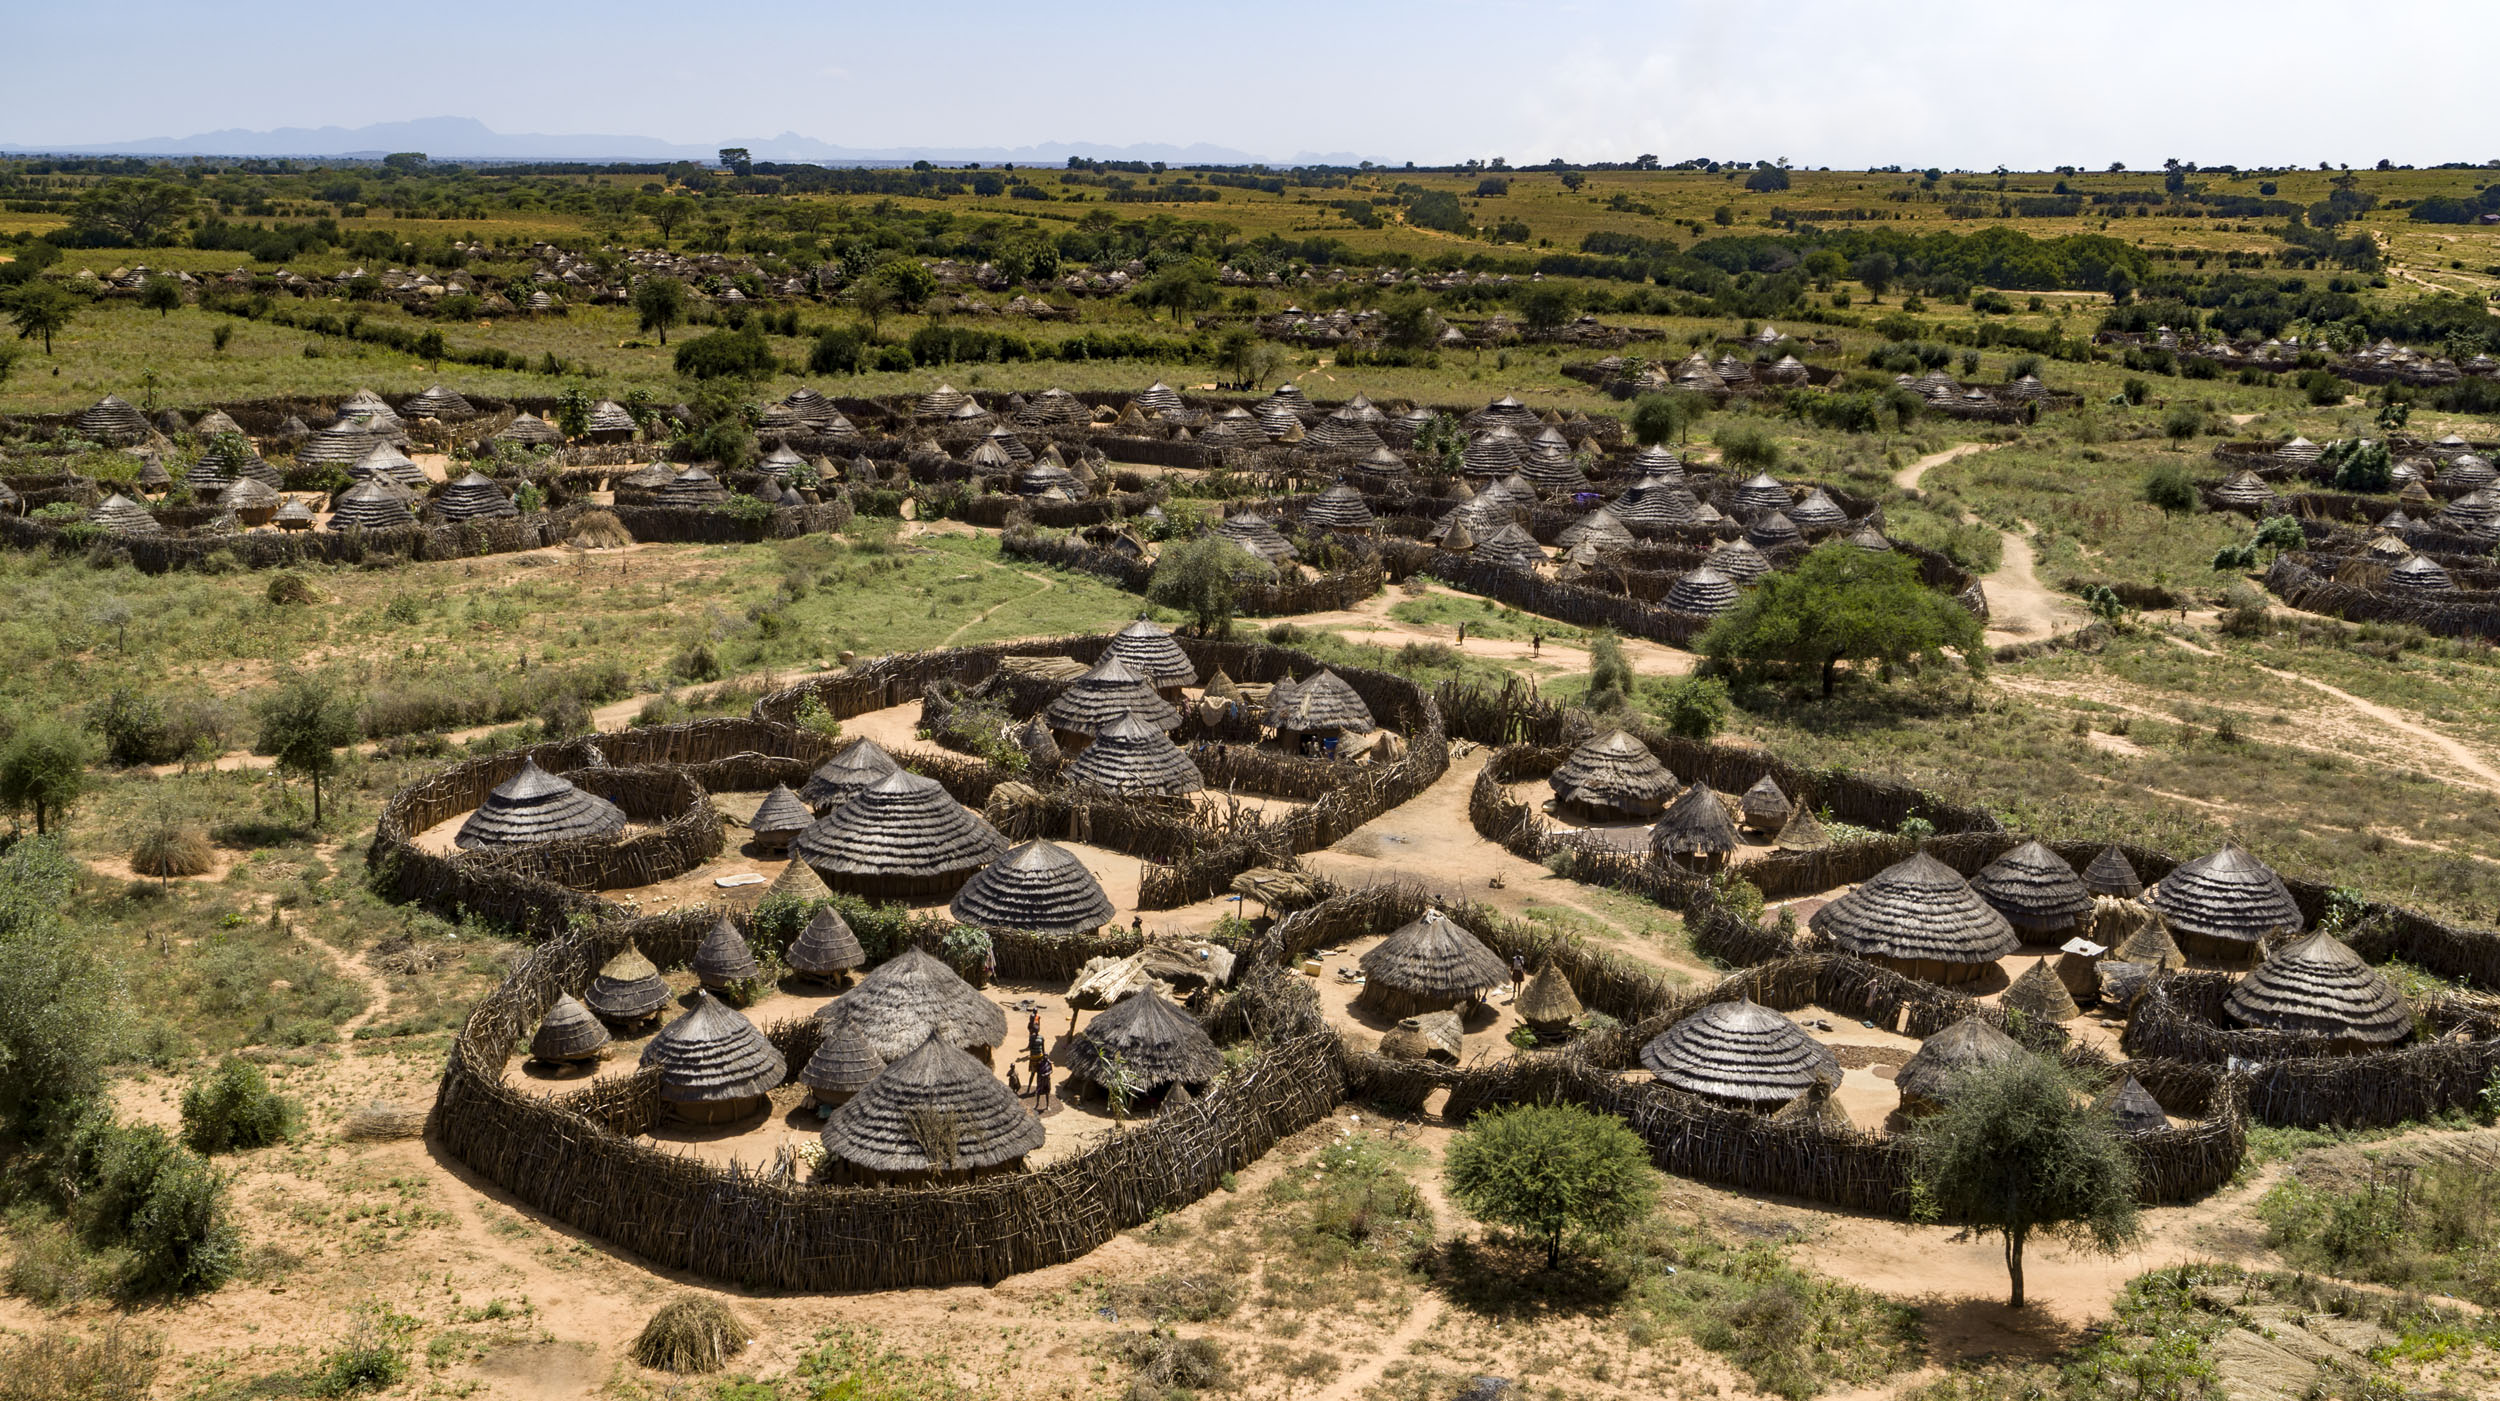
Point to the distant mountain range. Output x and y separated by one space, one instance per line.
466 138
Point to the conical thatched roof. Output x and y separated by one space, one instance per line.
909 996
627 987
1436 958
1039 886
1547 1000
1743 1052
1252 532
1762 492
1614 771
1135 760
1970 1044
1147 1039
2321 987
713 1053
1919 909
781 811
2152 946
529 430
1511 547
2039 993
2227 894
247 494
1158 398
609 416
473 497
1817 512
844 776
2245 488
2132 1106
113 421
1772 531
1738 560
1598 527
1110 691
1705 591
903 828
339 445
826 946
1151 652
376 503
2110 875
2034 889
536 806
1340 507
1764 805
650 476
294 513
122 516
723 957
385 460
798 882
934 1109
1320 704
693 487
844 1062
1654 500
569 1032
1803 832
229 457
1696 822
2416 574
438 402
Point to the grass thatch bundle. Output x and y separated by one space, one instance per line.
2228 900
2320 987
599 530
1614 774
693 1334
911 997
1803 831
2034 888
1926 1079
1742 1053
1547 1004
935 1110
1040 887
1921 917
2040 993
1429 965
1143 1043
173 849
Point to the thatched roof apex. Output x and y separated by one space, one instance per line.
1039 886
723 955
2227 894
569 1032
1696 822
1322 703
1151 651
1112 690
537 806
846 774
1437 957
713 1053
2110 874
1614 770
1149 1039
1135 760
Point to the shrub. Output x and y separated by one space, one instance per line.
2134 391
697 662
2184 421
173 849
1694 707
166 1205
563 716
372 1357
133 726
1554 1170
233 1107
54 1365
1747 449
288 587
742 354
692 1334
2168 487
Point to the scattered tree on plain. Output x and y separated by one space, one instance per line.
303 724
1203 578
44 768
1842 604
1556 1171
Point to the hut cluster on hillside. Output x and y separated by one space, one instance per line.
2382 362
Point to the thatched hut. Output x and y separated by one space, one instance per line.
1773 531
1918 917
1431 965
1655 500
2221 904
2247 490
376 503
1151 652
932 1115
1764 807
1340 507
1612 777
113 421
1111 691
1135 760
569 1034
2416 574
1926 1080
902 836
2036 891
119 515
1738 560
1599 527
1512 547
2132 1106
1320 705
1040 887
2039 992
1705 591
2110 875
1144 1043
714 1065
1742 1054
1254 533
627 989
1695 831
908 998
825 951
1817 512
439 403
842 1066
2320 987
1548 1005
844 776
1434 1036
1762 492
249 502
385 460
1803 831
609 423
2147 942
536 806
778 820
292 514
474 497
693 487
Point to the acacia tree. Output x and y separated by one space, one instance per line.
141 212
1841 604
40 310
1203 578
661 303
161 295
1553 1170
302 726
44 768
2017 1152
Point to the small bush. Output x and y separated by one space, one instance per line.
697 663
2169 487
372 1357
1747 449
119 1365
166 1205
1694 707
599 530
173 849
693 1334
1167 1365
232 1107
286 587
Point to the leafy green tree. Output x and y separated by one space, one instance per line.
573 411
2361 466
59 1001
1244 359
667 213
1408 322
1875 272
1746 449
1203 578
1694 707
137 212
2184 421
874 300
2169 487
2017 1152
1547 306
1841 604
1556 1171
1182 288
1610 674
40 310
44 767
739 354
908 279
660 302
303 725
161 295
2279 533
1658 419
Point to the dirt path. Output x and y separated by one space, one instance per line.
984 615
1355 1382
1908 477
2020 607
2458 753
1371 622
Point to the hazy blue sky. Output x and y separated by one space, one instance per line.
1961 84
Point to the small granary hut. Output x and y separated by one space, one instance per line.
2247 490
1743 1054
1773 531
826 951
1111 691
1705 591
119 515
1322 705
2110 875
1254 533
293 515
900 837
375 503
1973 1043
691 488
2148 943
1803 831
1340 507
536 806
1512 547
114 422
1921 918
778 820
249 501
1695 831
1135 760
386 460
1764 808
723 957
1548 1005
1612 777
2040 993
609 423
530 431
569 1035
1432 965
2036 891
2221 904
934 1115
438 402
841 1067
714 1065
2133 1106
628 988
1144 1043
844 776
474 497
1762 492
1817 512
1433 1036
1039 887
2320 987
911 997
1151 652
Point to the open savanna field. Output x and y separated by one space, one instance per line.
2132 683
